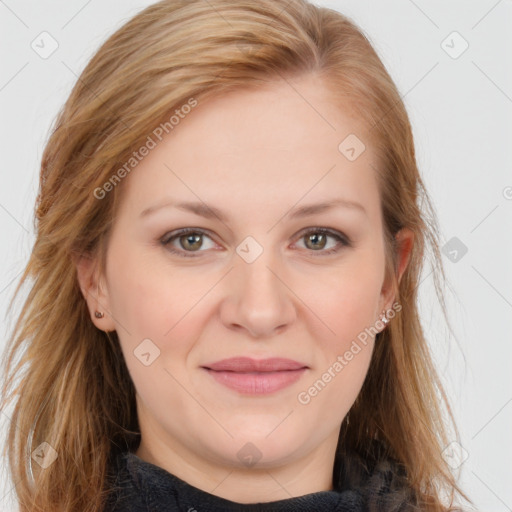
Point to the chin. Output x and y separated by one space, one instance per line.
261 450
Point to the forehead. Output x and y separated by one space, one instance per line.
282 143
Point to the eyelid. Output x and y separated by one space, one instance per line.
335 233
175 234
342 239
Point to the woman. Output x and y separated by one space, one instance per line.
223 310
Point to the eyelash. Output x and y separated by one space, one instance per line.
167 239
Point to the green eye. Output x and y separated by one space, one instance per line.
191 240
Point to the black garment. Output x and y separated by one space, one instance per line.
144 487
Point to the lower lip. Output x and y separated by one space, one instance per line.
257 383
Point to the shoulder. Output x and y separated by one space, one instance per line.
379 478
123 493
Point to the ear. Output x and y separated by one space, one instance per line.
404 244
94 291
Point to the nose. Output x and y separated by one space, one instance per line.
258 299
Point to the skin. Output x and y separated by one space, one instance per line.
256 154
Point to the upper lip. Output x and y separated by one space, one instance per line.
247 364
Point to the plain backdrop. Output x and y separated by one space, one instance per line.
451 63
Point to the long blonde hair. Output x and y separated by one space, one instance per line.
71 387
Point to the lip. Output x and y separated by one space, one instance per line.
256 376
248 364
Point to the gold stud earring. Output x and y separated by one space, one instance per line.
98 314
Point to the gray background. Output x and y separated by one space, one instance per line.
460 109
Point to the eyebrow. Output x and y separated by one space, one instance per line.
210 212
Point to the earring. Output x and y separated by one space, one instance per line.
98 314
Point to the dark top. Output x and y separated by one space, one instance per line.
140 486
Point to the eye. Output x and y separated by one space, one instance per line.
190 241
316 239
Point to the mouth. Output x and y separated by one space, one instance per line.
256 377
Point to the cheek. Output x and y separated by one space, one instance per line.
156 302
344 350
348 300
347 303
147 296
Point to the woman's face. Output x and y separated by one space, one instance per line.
255 278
